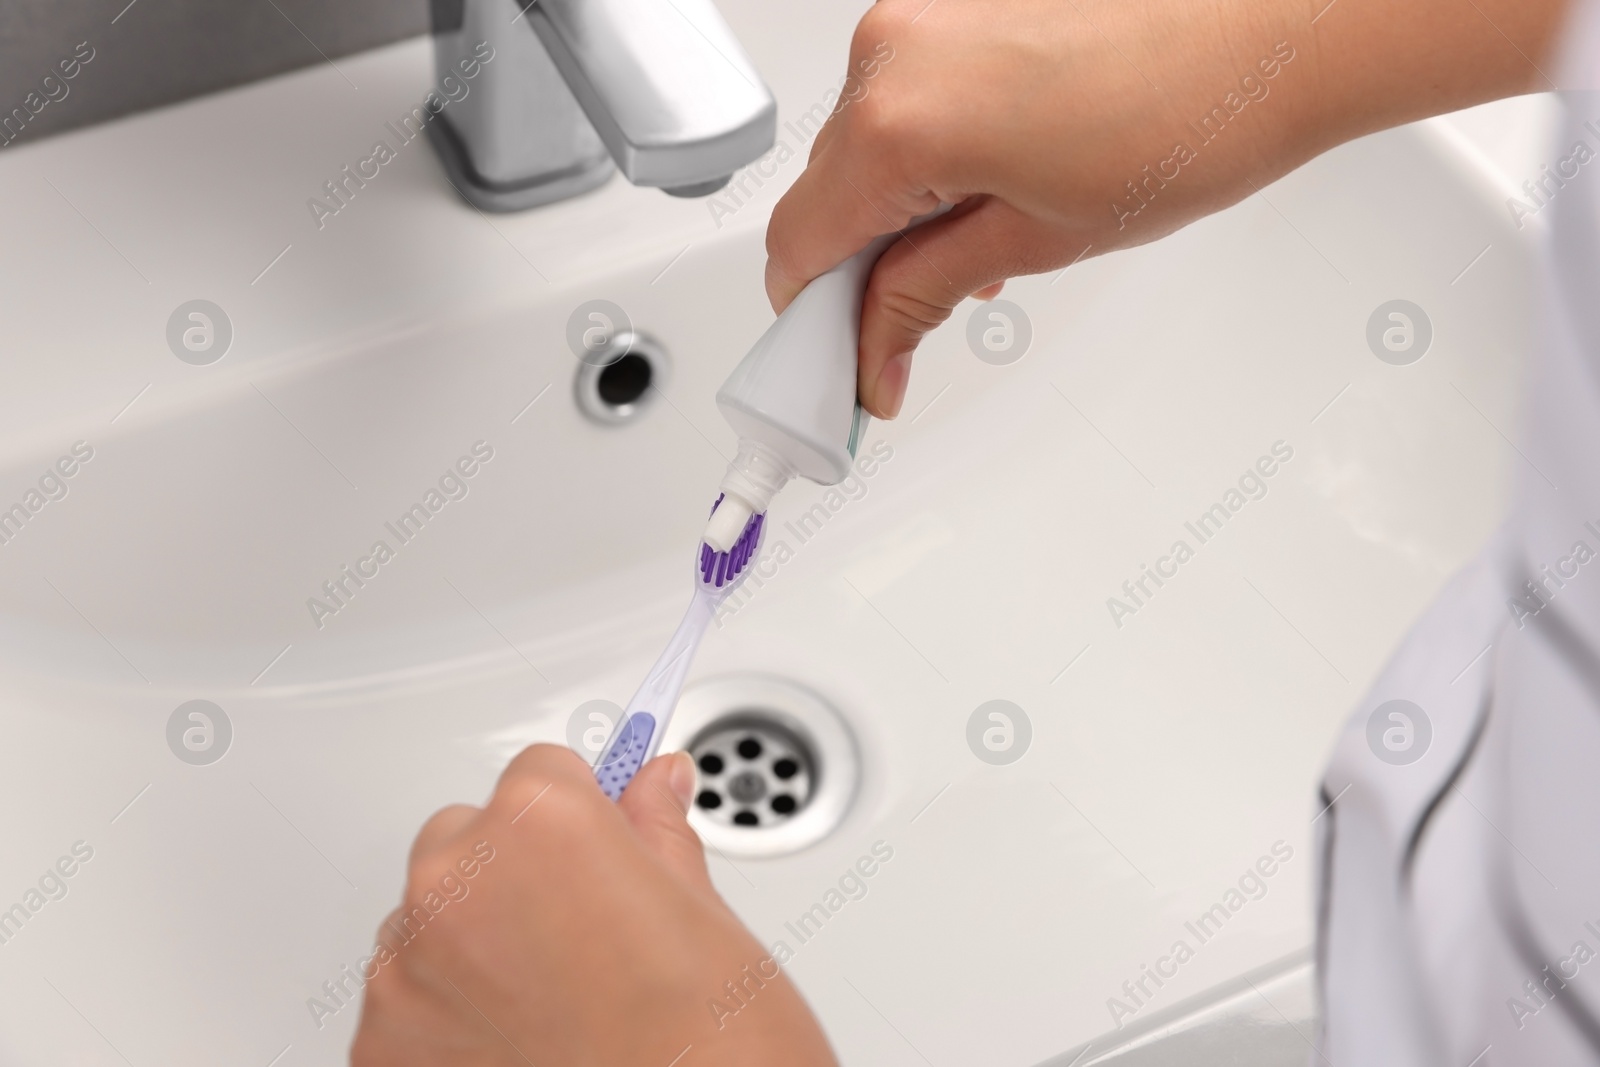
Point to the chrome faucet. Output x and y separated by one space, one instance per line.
660 86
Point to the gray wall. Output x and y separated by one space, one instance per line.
160 51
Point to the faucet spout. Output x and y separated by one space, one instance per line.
662 88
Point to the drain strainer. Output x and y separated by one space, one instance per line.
753 772
777 766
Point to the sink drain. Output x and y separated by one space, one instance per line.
777 766
753 772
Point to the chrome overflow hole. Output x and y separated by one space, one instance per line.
777 765
619 382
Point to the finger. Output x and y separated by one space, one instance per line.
656 803
830 126
544 785
390 932
446 823
922 277
539 765
850 193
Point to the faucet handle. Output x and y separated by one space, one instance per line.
665 84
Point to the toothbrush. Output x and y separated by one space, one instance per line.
638 735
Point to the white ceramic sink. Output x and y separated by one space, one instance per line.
1168 754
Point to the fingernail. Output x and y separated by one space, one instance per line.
890 391
680 778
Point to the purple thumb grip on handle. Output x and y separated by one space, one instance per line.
626 754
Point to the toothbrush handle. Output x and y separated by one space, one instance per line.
638 735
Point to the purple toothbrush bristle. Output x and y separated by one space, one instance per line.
720 569
752 537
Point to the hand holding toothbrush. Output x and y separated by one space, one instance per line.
592 936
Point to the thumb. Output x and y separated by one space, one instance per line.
921 278
656 803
